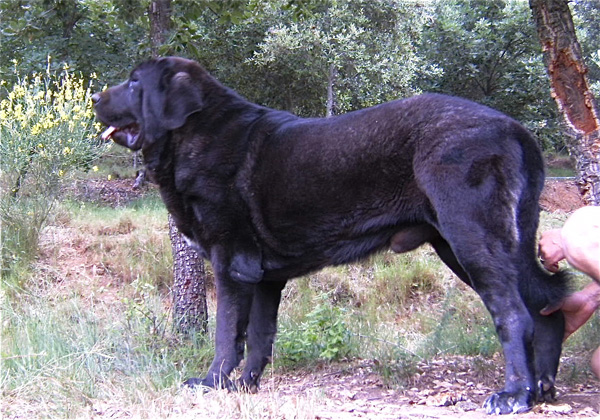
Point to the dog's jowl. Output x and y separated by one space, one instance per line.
267 196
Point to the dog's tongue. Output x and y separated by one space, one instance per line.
108 132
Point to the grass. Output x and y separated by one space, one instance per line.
87 329
560 165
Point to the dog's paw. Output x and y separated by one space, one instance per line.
206 384
194 383
546 392
509 402
249 382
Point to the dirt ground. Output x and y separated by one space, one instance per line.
445 388
560 195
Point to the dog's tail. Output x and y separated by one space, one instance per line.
540 288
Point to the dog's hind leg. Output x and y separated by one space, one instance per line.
494 277
547 343
539 288
261 332
548 330
480 229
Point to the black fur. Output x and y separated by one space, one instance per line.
268 196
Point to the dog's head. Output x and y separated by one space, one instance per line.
157 98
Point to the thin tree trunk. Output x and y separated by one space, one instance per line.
189 285
571 90
330 92
189 276
160 23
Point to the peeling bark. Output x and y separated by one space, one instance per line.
571 91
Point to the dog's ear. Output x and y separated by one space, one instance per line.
183 98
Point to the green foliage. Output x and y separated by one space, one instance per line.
69 343
60 354
322 334
362 49
47 129
488 51
286 53
102 36
395 365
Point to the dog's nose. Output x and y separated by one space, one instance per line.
96 98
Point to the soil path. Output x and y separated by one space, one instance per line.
447 388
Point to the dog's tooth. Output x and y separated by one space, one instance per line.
108 132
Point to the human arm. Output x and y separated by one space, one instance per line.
578 307
580 239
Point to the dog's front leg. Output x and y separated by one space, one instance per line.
234 300
261 332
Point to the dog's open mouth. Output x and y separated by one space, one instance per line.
127 136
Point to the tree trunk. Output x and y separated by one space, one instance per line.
159 12
331 78
189 277
189 285
570 89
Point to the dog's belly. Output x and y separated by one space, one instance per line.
312 253
278 267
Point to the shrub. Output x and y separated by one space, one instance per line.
46 130
322 334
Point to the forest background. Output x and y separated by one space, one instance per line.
286 54
86 262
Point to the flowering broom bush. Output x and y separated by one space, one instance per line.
47 129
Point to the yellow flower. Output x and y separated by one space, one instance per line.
109 177
61 172
36 129
95 169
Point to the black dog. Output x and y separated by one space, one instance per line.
268 196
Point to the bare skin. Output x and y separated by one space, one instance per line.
578 242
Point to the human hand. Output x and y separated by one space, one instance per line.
577 308
550 249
